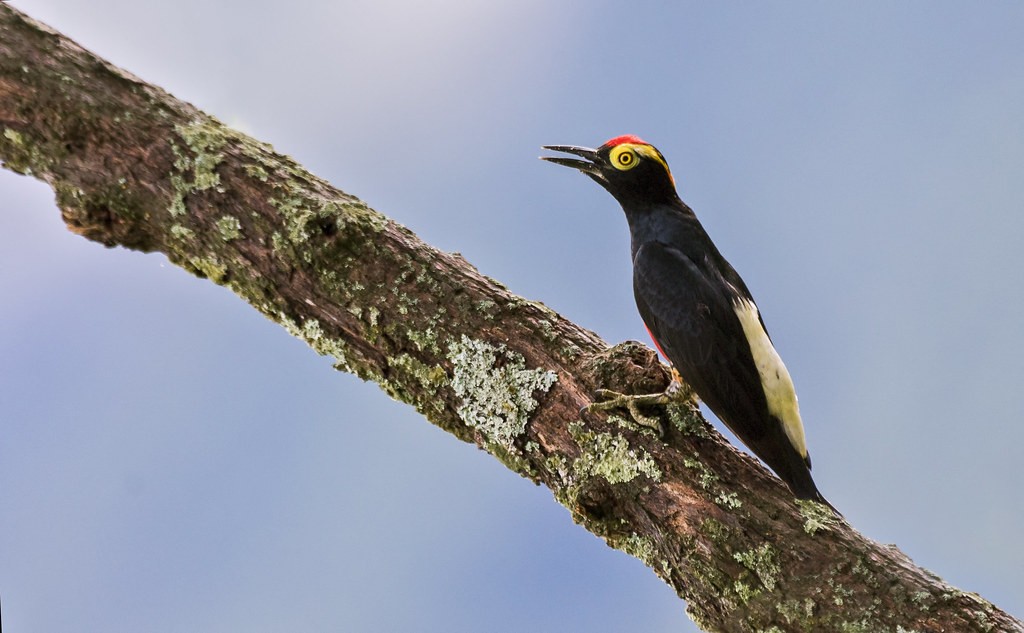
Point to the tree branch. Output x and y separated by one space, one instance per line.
134 167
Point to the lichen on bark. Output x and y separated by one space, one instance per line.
496 388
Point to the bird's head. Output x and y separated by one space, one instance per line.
630 169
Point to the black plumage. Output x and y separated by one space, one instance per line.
698 310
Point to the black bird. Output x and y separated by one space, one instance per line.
699 312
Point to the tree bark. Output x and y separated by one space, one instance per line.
132 166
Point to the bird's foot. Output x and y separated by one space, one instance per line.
609 399
678 391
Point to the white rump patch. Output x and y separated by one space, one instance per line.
775 380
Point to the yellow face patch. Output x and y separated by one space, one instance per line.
626 156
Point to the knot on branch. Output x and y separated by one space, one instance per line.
629 367
109 215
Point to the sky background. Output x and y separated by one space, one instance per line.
170 460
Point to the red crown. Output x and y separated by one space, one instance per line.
625 138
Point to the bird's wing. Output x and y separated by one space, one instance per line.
731 276
692 318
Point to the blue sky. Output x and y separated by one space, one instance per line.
170 460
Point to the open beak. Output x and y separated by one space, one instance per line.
591 166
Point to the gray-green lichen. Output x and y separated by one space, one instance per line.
257 172
311 332
840 593
610 457
305 215
558 465
763 561
496 388
687 421
744 591
24 156
547 330
180 232
429 378
716 531
229 227
817 516
487 308
643 548
14 136
294 208
278 241
797 611
424 340
195 169
864 625
922 600
707 477
205 139
729 500
209 267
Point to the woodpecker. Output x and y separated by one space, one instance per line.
697 309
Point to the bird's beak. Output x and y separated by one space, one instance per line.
591 166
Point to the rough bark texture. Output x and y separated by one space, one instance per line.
134 167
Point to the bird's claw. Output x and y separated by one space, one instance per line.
679 390
614 400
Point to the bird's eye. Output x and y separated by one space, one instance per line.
623 158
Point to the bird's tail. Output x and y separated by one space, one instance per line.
797 475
